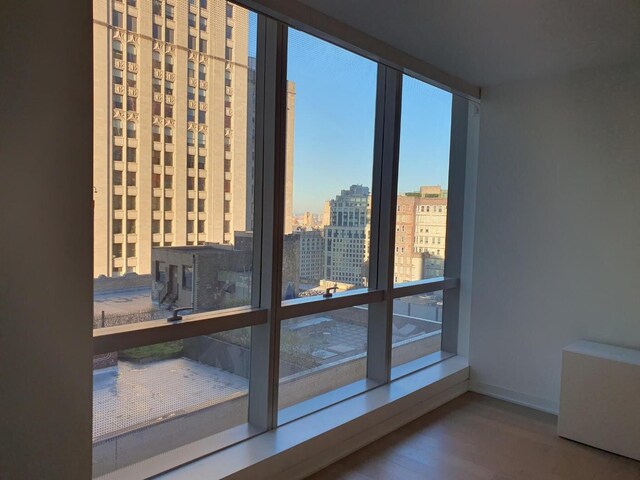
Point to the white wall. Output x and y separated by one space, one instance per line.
557 234
45 239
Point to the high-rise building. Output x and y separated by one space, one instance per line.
171 129
421 230
345 238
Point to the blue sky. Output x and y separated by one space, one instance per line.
334 122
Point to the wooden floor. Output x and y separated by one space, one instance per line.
477 437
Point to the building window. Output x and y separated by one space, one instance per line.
168 110
117 49
168 35
117 76
187 276
155 108
202 95
131 53
203 3
191 93
167 226
117 226
191 42
157 7
190 138
117 153
201 161
168 63
117 177
168 204
157 85
168 88
168 158
155 157
229 32
168 11
157 63
203 24
190 183
131 202
117 101
192 20
202 116
201 141
191 69
229 10
131 250
131 130
157 31
228 53
190 160
168 135
117 199
117 127
168 181
200 226
203 46
116 19
132 79
131 104
202 72
227 78
132 23
191 115
131 179
131 154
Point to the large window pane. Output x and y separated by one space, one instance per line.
417 327
319 354
330 127
153 399
140 273
421 216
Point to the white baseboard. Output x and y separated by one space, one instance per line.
512 396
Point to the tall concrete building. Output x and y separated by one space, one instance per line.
345 240
421 231
171 128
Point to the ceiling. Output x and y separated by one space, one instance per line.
489 42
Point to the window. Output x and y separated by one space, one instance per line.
168 11
168 35
423 174
117 127
131 104
131 53
203 3
117 76
228 53
116 19
132 23
203 24
344 199
157 7
117 101
191 42
229 32
203 46
207 263
157 31
117 49
131 3
117 153
132 79
187 277
131 154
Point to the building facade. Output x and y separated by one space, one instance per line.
421 231
346 248
171 159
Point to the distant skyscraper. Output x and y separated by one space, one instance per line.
346 248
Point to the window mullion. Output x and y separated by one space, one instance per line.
271 97
455 207
383 206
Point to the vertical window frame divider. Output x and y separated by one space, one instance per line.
455 216
383 210
270 135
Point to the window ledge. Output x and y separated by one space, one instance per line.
306 445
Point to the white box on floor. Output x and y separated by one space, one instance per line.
600 397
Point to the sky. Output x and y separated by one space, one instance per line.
334 123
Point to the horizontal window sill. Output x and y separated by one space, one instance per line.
303 446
